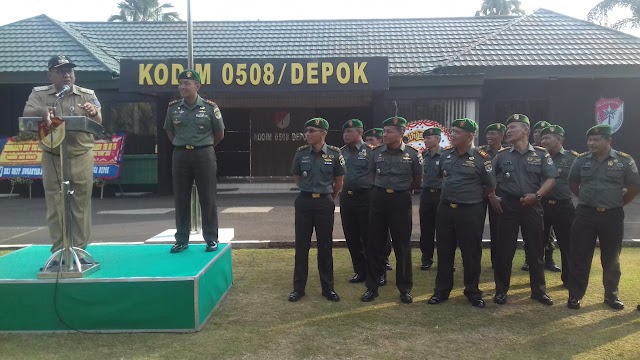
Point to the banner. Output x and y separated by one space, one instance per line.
413 133
21 159
610 112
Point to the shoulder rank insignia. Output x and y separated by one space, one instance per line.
539 148
483 153
624 155
42 88
303 147
174 102
334 148
343 147
210 102
583 154
504 149
574 153
448 147
84 90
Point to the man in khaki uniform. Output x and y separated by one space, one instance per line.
77 101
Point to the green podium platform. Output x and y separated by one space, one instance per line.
138 288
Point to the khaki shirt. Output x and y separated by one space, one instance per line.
395 169
602 183
563 160
431 178
77 142
318 170
357 166
193 125
522 173
464 176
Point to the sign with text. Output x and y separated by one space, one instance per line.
259 75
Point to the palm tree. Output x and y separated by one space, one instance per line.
600 12
144 10
500 7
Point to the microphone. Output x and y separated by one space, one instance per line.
61 93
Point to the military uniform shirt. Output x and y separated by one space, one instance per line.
563 161
193 125
77 142
395 169
601 183
357 166
431 178
318 170
489 150
464 176
520 174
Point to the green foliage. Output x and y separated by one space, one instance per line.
500 7
600 13
144 10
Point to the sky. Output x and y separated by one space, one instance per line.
225 10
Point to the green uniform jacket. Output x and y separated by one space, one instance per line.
193 125
318 170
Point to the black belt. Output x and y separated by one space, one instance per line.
598 209
390 190
455 205
356 191
191 147
312 194
555 202
431 190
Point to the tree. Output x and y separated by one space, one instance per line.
144 10
600 13
500 7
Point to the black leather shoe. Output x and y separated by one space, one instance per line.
552 267
211 246
573 303
369 295
179 247
525 267
543 299
615 304
406 297
436 299
85 261
331 295
426 264
479 303
357 278
296 295
387 266
383 280
500 298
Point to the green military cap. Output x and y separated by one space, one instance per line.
602 129
465 124
318 122
553 129
518 118
377 132
189 74
432 131
395 121
353 123
541 125
497 127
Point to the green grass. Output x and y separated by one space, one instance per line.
255 321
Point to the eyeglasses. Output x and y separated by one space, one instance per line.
63 71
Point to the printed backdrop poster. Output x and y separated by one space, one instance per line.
413 133
611 112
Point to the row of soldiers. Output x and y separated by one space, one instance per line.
525 188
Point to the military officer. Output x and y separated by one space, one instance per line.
598 178
557 205
467 179
194 127
318 171
80 102
494 135
525 174
396 169
354 197
373 137
430 194
537 132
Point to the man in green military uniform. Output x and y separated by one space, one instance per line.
318 171
557 204
373 137
525 174
194 127
430 194
598 177
494 135
77 101
396 169
467 179
354 197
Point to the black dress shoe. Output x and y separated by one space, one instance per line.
552 267
383 280
543 299
525 267
436 299
296 295
85 261
357 278
426 264
406 297
500 298
179 247
211 246
573 303
331 295
477 302
615 304
369 295
387 266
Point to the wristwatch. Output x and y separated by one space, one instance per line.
538 196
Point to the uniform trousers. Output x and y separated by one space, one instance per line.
429 200
559 215
354 213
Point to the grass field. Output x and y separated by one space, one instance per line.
255 321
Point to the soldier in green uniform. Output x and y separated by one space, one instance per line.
77 101
467 179
525 174
354 197
494 135
598 177
318 171
396 169
373 137
430 194
557 205
194 127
